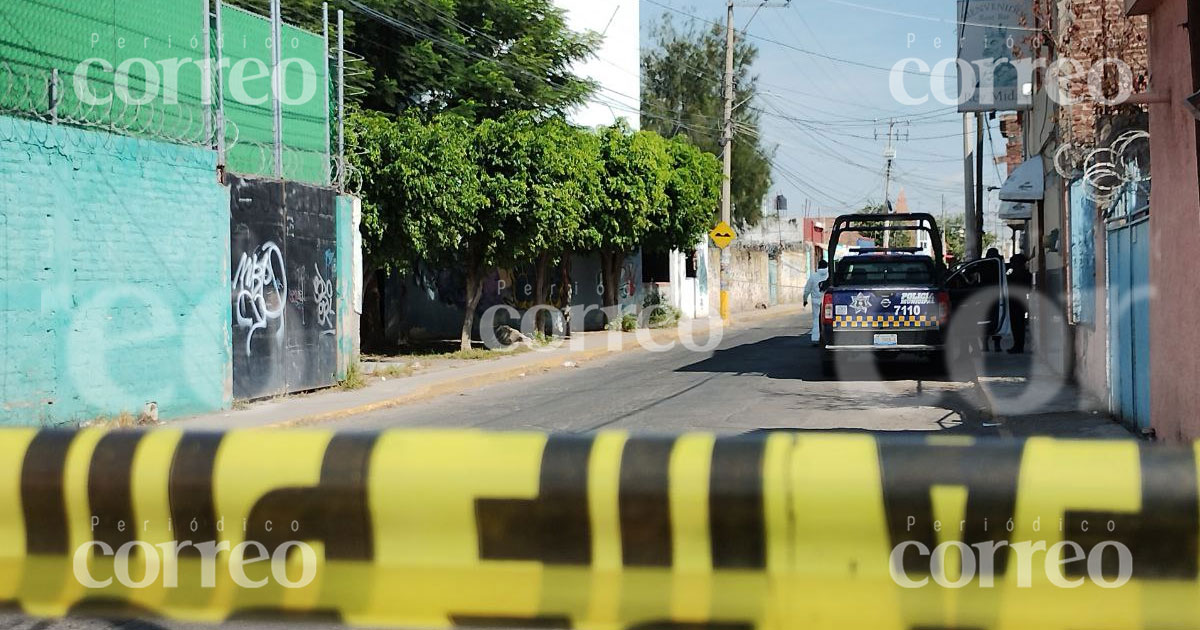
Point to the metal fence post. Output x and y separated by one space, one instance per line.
328 120
341 101
220 131
53 95
277 83
206 75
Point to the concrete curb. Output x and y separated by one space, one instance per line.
503 374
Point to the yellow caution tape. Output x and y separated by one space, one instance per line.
608 531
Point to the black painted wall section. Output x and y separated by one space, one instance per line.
283 264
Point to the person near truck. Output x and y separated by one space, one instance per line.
1019 287
814 294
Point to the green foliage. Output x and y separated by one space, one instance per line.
989 240
477 58
897 239
627 323
634 187
422 194
507 191
955 234
693 194
355 379
954 229
660 315
681 99
542 176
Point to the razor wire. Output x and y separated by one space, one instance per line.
298 164
1107 172
37 93
39 80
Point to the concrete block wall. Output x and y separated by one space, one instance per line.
114 276
750 277
794 267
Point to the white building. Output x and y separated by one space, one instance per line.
616 67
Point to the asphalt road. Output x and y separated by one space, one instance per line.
762 376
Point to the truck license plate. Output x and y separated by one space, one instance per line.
885 339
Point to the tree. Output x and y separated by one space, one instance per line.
989 240
954 229
693 192
425 199
634 188
407 166
477 58
955 234
897 238
540 176
567 188
682 92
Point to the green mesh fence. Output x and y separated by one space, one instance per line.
132 66
123 88
248 105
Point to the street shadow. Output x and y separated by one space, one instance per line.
793 357
854 385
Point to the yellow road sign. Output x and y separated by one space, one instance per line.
722 235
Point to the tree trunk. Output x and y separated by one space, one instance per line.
372 333
610 263
539 291
474 294
567 292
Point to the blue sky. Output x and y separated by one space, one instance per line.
823 114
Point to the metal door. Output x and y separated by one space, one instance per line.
1129 322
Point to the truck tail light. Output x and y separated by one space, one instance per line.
943 306
827 309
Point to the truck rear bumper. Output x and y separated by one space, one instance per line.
903 340
897 348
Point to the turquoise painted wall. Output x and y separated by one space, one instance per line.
347 328
114 276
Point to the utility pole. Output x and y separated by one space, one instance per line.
889 154
970 249
727 142
980 122
727 157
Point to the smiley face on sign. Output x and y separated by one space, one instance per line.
722 235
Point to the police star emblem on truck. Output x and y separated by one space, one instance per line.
861 303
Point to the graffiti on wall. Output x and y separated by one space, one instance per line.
260 287
323 295
283 238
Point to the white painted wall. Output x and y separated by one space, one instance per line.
617 64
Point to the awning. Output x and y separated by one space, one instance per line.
1027 183
1015 211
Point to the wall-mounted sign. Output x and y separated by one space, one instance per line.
995 55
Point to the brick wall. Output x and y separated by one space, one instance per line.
1091 31
114 276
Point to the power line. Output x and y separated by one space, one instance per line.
796 48
918 16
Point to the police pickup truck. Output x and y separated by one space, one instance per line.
892 300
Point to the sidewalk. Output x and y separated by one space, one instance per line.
441 377
1023 397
